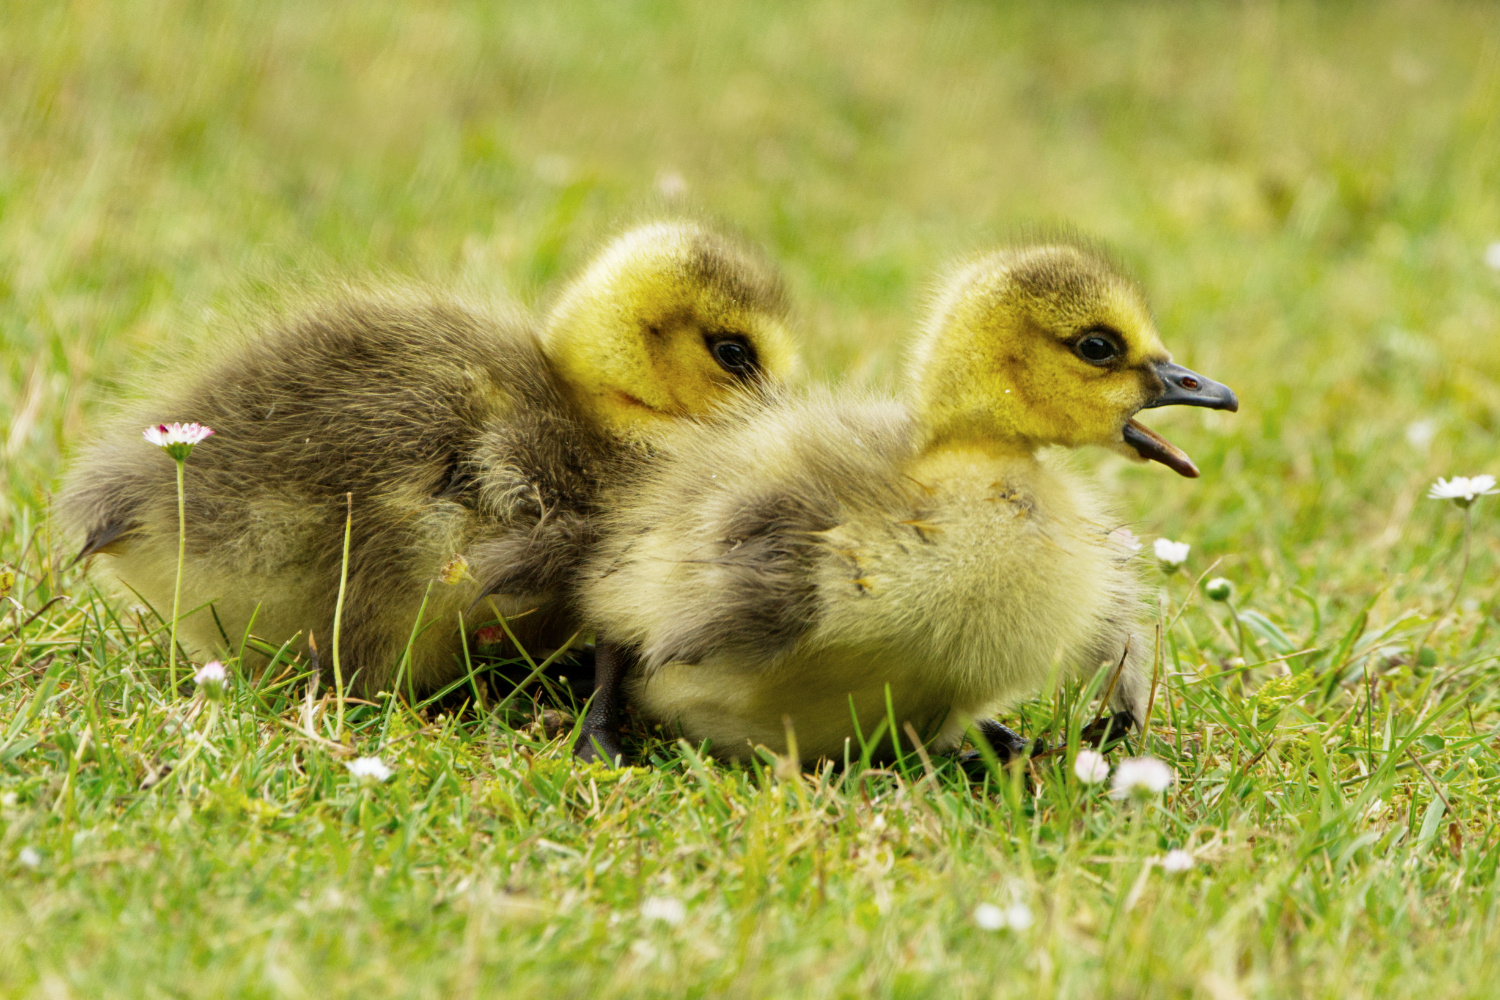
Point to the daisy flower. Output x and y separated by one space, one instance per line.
370 769
1171 554
1090 767
671 185
1015 917
1141 777
1419 433
667 910
989 917
211 679
177 440
1462 490
1018 916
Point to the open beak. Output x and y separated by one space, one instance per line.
1182 387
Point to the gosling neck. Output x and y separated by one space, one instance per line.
959 456
991 424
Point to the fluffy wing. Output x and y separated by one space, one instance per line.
102 536
715 550
753 594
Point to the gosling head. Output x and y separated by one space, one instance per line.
669 320
1050 345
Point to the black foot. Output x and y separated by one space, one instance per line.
1008 745
1108 731
600 746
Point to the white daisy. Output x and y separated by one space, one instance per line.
211 679
989 917
1171 554
1018 916
1015 917
1176 861
1462 490
1090 767
1419 433
371 769
177 440
664 908
1141 777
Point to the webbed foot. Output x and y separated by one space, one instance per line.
1108 730
1007 744
598 745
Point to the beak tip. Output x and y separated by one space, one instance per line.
1182 387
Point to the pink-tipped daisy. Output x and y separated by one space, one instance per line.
211 679
177 440
1091 767
490 635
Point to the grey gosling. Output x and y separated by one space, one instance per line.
458 434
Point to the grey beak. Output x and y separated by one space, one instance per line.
1184 387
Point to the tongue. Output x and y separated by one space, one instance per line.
1151 445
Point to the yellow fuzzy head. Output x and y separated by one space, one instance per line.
668 321
1048 345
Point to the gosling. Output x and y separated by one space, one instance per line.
836 562
474 447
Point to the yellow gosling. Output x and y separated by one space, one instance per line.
833 547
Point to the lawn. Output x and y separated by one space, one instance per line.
1308 193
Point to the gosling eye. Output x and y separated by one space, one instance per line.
1098 347
734 354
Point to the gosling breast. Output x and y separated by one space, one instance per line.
809 563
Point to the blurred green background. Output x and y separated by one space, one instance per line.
1307 193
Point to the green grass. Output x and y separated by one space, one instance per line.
1306 191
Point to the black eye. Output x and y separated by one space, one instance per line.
733 354
1097 348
